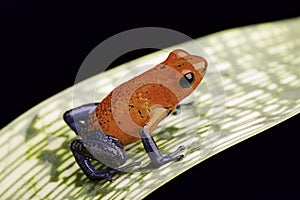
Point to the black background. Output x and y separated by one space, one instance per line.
43 44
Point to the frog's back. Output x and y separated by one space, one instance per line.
127 108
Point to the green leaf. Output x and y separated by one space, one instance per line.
257 67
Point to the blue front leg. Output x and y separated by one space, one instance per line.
153 152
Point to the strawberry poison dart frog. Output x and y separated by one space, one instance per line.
130 113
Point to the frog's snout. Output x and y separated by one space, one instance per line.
201 65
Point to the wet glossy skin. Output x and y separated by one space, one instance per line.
130 113
158 86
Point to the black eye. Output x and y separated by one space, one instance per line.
187 80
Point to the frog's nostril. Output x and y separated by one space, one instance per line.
201 66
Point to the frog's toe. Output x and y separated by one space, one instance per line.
180 148
108 178
134 164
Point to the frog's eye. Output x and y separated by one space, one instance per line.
187 80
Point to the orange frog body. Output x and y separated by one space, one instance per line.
131 112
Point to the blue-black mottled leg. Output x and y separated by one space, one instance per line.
101 147
82 158
153 152
76 118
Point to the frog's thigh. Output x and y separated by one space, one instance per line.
105 148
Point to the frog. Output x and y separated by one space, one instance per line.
130 113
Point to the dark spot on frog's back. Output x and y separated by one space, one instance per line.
131 106
140 113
